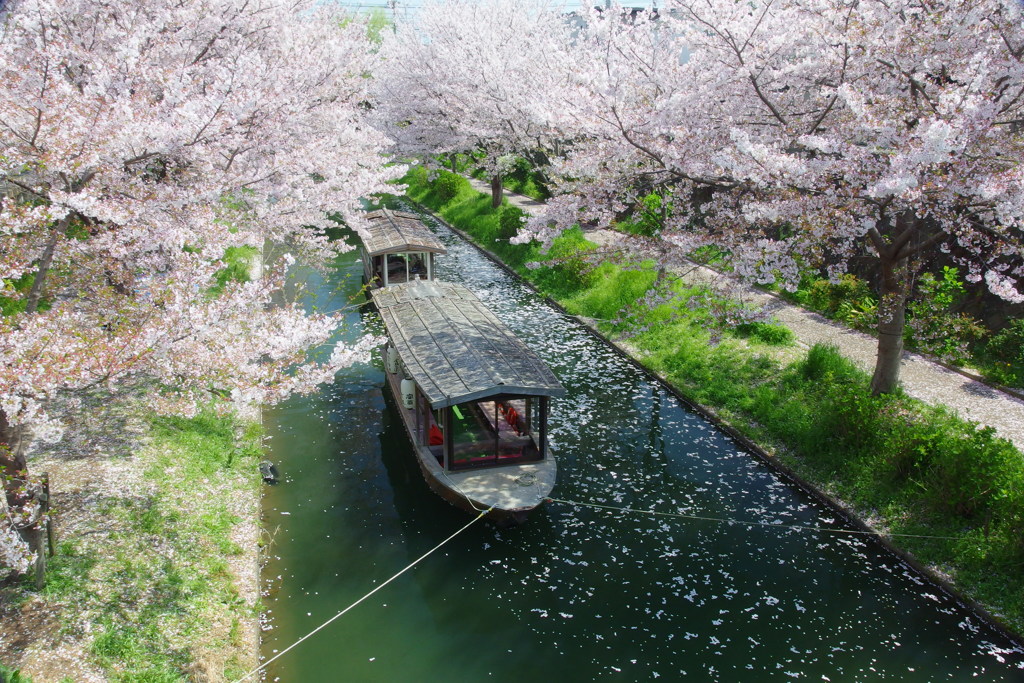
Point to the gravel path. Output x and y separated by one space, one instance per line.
920 377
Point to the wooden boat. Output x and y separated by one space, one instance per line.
397 248
473 398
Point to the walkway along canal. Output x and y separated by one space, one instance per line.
579 593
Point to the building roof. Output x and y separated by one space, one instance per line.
455 348
394 232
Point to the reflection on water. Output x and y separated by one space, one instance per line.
579 593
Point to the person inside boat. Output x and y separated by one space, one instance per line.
416 264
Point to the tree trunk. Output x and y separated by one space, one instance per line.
892 309
36 293
13 466
19 493
497 190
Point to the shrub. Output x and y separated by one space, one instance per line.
567 266
973 474
825 362
932 327
766 333
1004 355
860 314
9 675
447 185
523 179
826 297
238 263
646 218
510 221
16 304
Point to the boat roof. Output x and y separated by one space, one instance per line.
394 232
455 348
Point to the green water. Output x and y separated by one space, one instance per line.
578 594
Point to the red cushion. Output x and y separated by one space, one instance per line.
436 436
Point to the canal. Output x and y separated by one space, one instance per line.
578 593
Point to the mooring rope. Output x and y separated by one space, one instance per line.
726 520
324 625
462 493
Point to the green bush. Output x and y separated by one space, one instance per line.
931 464
824 361
565 267
767 333
447 185
510 221
1002 357
646 218
860 314
9 675
826 297
238 262
973 474
523 179
850 300
16 304
932 327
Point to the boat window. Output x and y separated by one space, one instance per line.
418 265
397 268
495 432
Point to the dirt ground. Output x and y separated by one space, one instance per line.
49 639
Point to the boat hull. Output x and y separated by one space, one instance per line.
507 492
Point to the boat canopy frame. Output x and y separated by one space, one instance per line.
455 348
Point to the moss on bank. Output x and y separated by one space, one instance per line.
907 467
156 542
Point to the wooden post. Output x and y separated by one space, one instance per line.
51 541
36 534
40 559
449 441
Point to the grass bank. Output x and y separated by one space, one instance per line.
154 544
901 465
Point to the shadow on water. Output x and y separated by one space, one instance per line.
578 593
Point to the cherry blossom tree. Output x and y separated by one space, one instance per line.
801 133
466 76
14 552
138 143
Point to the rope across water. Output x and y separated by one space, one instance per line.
574 503
324 625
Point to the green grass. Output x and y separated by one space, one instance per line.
154 581
917 468
956 338
527 185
